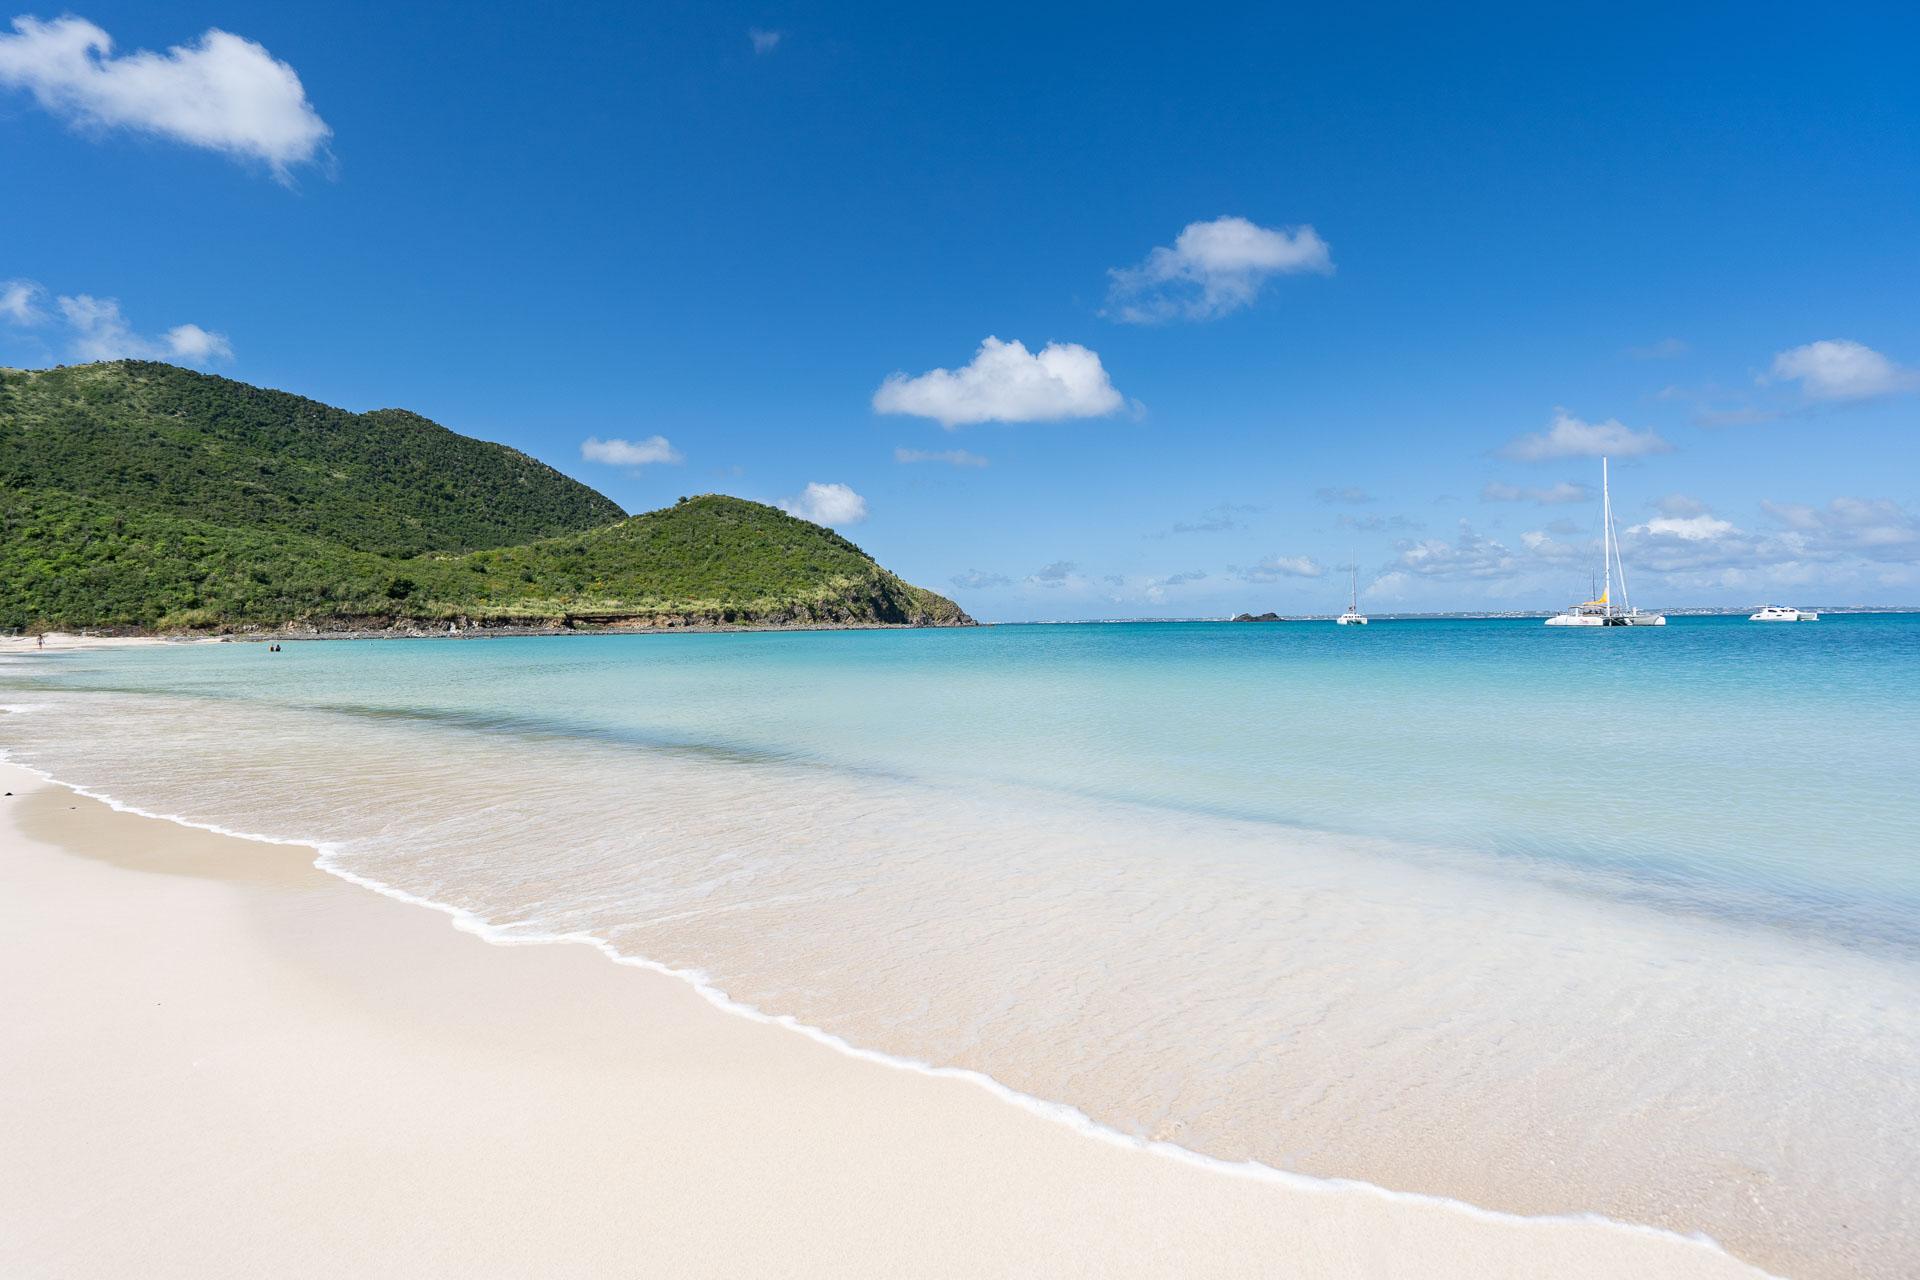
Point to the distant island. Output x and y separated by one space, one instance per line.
141 497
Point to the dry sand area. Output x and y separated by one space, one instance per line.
220 1061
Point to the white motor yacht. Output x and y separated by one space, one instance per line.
1776 613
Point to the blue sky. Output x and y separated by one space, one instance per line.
1293 289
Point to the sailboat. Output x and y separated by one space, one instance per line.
1353 617
1601 611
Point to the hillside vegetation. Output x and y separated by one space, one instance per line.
139 496
153 438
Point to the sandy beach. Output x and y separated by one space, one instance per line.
225 1062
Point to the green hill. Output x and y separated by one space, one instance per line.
153 438
140 496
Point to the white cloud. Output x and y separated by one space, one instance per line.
1221 517
1211 269
195 345
1838 369
100 332
629 453
952 457
1840 540
1568 437
1695 528
763 41
1061 575
19 302
974 580
224 93
1539 543
1874 528
1564 492
1471 555
1006 383
1156 588
828 504
1274 568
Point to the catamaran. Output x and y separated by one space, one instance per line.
1779 613
1600 611
1353 617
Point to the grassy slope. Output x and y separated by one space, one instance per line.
711 558
152 438
135 495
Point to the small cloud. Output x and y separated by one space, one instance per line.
1349 495
1539 544
1211 269
829 504
19 302
1679 504
1873 528
100 332
951 457
224 93
195 345
1568 437
1155 589
1274 568
1839 369
629 453
1222 517
1006 383
1564 492
1694 528
1057 574
763 41
974 580
1665 349
1470 555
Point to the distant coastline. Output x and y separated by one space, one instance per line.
1464 616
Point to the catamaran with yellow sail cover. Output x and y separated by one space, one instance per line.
1601 611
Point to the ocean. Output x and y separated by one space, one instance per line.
1622 921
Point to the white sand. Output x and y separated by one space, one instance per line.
82 640
219 1061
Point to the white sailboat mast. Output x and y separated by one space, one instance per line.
1606 536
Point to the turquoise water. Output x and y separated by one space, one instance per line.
1770 772
1624 921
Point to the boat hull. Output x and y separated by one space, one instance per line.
1602 620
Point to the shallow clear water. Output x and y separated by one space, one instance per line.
1624 921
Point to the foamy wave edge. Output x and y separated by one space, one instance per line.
1056 1112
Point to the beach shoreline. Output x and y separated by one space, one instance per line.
262 1066
429 630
